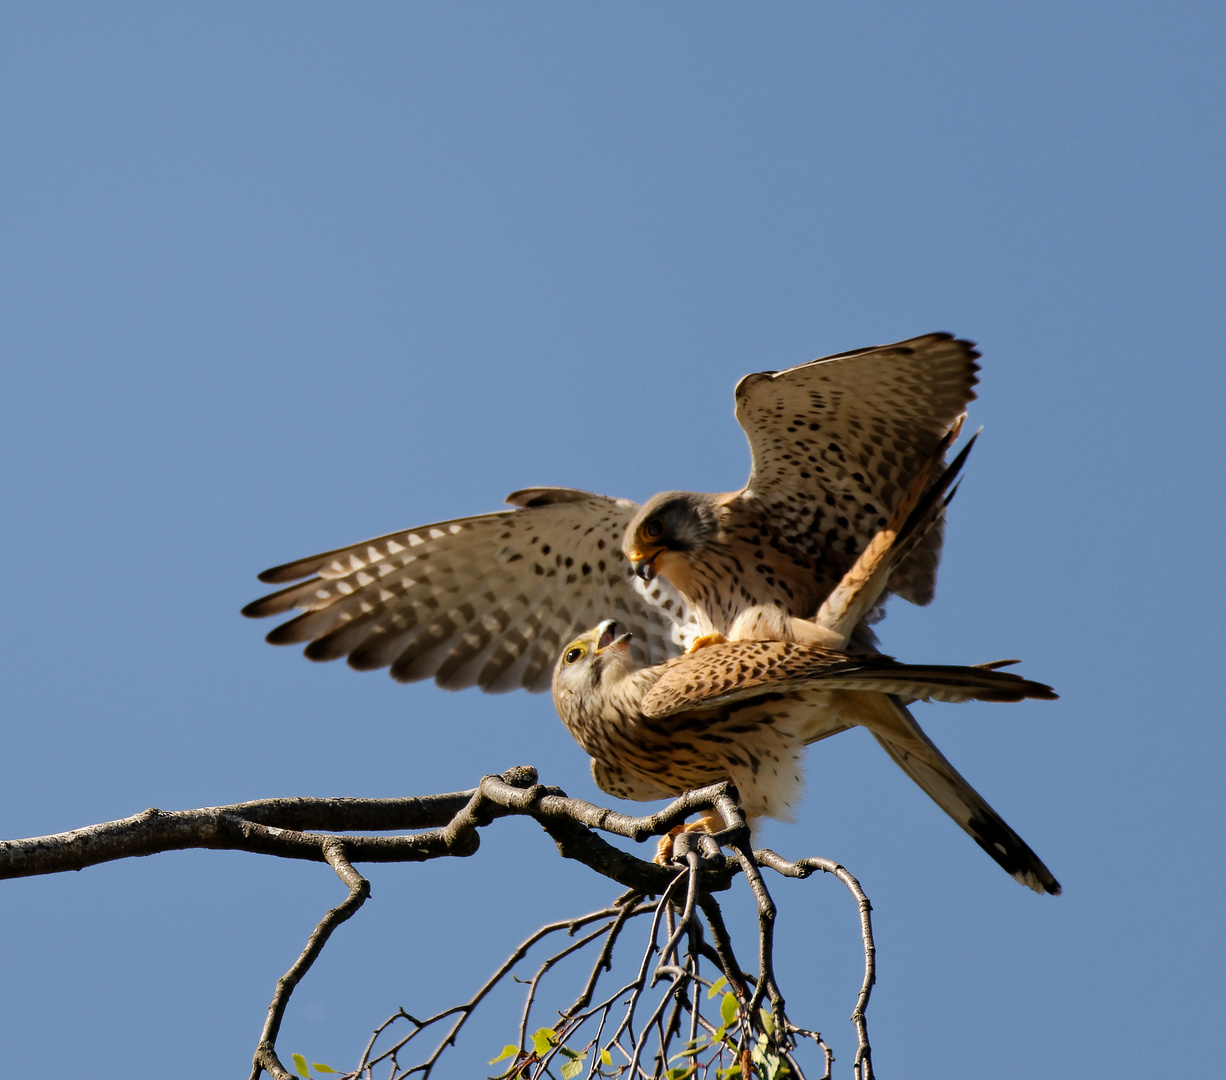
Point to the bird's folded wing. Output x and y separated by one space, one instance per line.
737 671
486 601
836 441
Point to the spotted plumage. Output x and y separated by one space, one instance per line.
745 710
489 600
834 444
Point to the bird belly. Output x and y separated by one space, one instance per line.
758 750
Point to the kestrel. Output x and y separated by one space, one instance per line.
745 710
490 600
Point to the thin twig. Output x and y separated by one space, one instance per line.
801 868
604 962
737 838
265 1058
545 968
450 825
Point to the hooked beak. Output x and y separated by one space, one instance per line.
644 565
609 638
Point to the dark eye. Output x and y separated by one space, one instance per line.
573 654
654 528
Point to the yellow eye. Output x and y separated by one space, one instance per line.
573 654
654 528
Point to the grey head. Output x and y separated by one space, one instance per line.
681 522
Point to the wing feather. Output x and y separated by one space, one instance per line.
835 442
487 600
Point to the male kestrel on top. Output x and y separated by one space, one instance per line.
745 710
490 600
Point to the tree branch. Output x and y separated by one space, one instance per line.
449 825
265 1057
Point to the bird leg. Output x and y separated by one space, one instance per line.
709 822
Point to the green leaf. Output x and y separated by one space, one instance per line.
716 987
606 1058
319 1066
542 1040
507 1051
733 1072
566 1051
692 1049
772 1066
728 1008
573 1067
768 1021
300 1066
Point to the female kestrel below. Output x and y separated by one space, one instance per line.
490 600
745 710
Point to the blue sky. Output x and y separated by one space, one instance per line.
275 278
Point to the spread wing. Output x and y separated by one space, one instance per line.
836 441
486 601
737 671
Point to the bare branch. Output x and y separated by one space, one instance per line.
802 868
450 825
265 1058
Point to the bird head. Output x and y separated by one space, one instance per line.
589 664
673 523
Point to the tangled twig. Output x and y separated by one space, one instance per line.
664 998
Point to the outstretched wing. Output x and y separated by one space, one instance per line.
738 671
836 441
486 601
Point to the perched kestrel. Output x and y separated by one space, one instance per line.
745 710
490 600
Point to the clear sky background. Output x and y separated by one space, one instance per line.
277 277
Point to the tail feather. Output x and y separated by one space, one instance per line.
933 682
904 740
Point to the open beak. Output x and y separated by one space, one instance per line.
609 637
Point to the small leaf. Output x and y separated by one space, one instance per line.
716 987
606 1058
542 1040
759 1051
566 1051
573 1067
691 1050
773 1066
768 1021
507 1051
319 1066
733 1072
728 1008
300 1066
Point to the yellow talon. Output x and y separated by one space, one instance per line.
710 822
705 640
